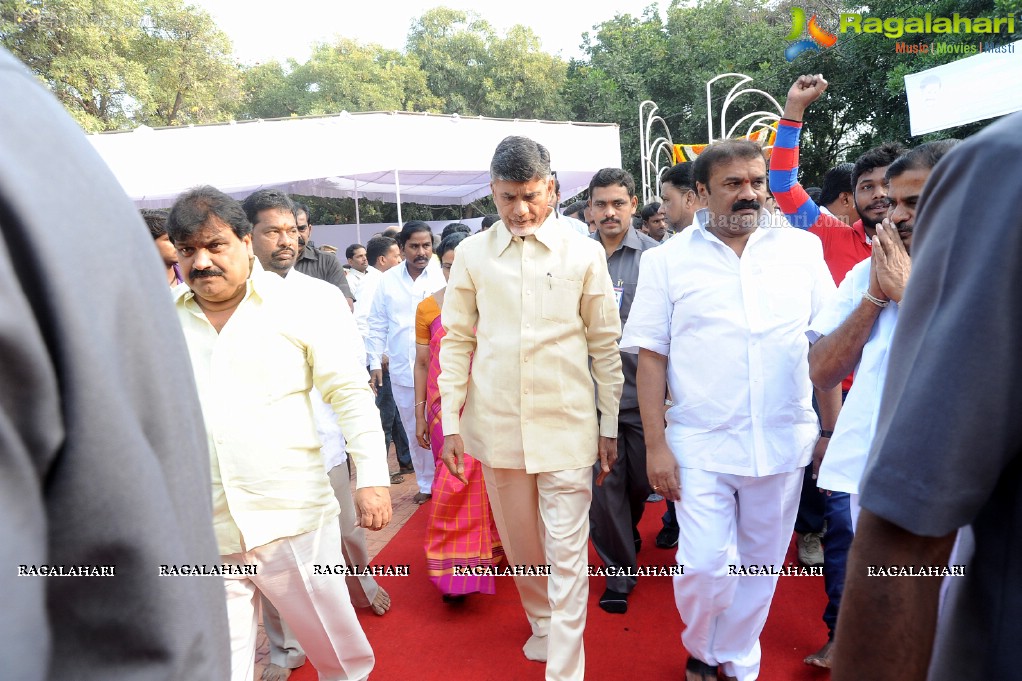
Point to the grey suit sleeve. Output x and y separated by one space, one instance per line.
103 454
949 422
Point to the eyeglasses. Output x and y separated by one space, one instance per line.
446 266
302 228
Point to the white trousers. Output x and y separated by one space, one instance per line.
285 650
316 606
422 459
731 520
543 519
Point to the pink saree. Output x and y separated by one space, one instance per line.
460 531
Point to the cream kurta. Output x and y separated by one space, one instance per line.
533 310
254 379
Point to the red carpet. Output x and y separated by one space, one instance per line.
423 638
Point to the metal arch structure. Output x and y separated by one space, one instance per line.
652 150
733 94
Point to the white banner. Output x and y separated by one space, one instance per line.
967 90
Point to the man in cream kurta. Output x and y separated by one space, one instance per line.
533 302
257 350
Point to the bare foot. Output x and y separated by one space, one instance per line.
275 672
535 648
821 658
381 603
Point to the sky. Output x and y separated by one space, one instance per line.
262 31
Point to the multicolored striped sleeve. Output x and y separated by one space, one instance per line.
791 198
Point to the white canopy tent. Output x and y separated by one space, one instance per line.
399 156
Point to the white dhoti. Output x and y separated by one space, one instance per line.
316 606
731 520
422 459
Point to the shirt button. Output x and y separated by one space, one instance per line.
526 359
528 293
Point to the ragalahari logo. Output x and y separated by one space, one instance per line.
817 36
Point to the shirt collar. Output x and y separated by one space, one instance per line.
860 229
703 215
631 239
545 235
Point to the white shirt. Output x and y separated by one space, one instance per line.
364 301
577 225
392 318
254 379
857 423
354 280
733 330
326 423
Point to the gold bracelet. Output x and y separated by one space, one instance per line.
418 403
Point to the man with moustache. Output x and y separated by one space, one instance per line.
720 317
256 352
533 303
619 502
654 221
843 248
315 263
275 245
392 332
855 329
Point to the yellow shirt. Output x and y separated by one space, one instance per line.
254 379
534 310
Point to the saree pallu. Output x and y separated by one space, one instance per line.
460 532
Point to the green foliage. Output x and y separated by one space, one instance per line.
119 63
478 73
345 76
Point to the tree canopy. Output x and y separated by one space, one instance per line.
116 64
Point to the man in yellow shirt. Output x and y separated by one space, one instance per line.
533 302
257 350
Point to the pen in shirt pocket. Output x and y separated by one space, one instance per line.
549 281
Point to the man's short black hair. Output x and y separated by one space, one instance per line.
267 199
923 157
488 221
455 227
722 152
378 246
837 180
576 209
680 176
156 221
612 177
197 206
411 227
649 210
349 252
879 157
303 208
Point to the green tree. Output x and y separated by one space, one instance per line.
478 73
344 76
117 63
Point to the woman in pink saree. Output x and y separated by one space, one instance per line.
460 531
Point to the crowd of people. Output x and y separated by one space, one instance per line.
764 362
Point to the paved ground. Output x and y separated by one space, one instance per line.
401 498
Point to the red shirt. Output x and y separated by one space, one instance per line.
844 247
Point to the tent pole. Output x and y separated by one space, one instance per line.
358 220
397 190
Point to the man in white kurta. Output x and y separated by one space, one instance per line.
392 332
257 351
719 317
